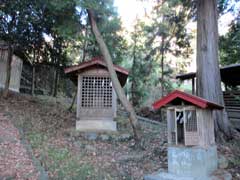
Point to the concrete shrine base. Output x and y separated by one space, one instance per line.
163 175
96 125
190 163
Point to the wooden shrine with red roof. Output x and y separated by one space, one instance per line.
96 97
189 119
192 152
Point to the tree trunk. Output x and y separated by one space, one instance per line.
85 45
33 73
73 101
162 66
82 60
8 71
208 73
33 79
56 77
105 52
135 99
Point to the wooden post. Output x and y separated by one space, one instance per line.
79 95
114 102
8 70
193 86
169 125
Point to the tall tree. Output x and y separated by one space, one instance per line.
26 24
17 28
108 59
208 73
159 35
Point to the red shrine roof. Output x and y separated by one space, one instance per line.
97 62
93 62
182 96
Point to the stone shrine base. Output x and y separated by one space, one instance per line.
163 175
190 163
96 125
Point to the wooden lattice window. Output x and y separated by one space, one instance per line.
96 92
191 120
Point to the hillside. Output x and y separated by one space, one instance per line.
64 153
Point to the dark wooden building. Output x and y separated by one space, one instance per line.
231 80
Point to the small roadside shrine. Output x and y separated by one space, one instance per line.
192 153
96 97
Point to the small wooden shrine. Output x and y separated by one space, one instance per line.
96 98
192 153
189 119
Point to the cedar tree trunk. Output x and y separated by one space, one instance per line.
162 66
135 98
105 52
8 71
56 78
33 79
208 72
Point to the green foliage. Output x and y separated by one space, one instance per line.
223 6
227 6
25 23
61 15
109 25
58 32
20 23
230 45
157 38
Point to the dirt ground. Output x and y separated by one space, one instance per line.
15 162
67 154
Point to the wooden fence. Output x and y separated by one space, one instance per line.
16 70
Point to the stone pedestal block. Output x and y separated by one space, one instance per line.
168 176
96 125
192 161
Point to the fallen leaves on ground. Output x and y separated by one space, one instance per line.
15 162
65 153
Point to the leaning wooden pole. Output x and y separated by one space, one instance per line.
117 86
